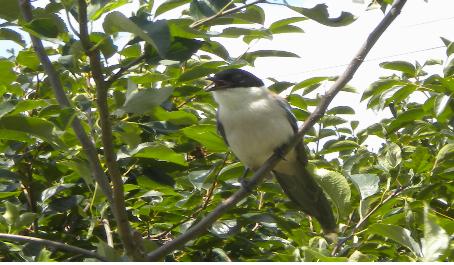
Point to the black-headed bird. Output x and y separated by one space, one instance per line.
255 123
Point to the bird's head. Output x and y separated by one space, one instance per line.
232 78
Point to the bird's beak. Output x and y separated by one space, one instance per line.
216 84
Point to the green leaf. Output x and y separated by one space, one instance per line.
444 159
309 82
401 66
7 75
45 26
320 14
104 42
11 214
179 117
379 87
29 104
435 240
207 136
157 36
449 68
26 219
282 26
331 120
341 110
159 152
9 34
7 194
337 146
405 118
52 191
103 249
28 59
40 128
5 108
10 10
169 5
200 71
15 136
250 57
337 188
420 160
367 184
206 8
390 156
143 100
398 234
181 49
312 253
111 5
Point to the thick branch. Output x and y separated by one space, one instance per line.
223 13
87 144
205 223
118 205
50 243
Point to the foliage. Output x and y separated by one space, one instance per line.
176 168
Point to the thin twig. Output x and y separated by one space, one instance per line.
55 244
123 69
60 95
118 204
260 174
365 218
223 12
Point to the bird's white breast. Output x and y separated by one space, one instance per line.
254 123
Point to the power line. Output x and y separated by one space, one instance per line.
365 61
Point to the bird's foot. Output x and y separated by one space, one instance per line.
244 182
280 151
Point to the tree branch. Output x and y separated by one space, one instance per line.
87 144
223 12
118 204
205 223
55 244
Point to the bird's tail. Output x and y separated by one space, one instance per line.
305 192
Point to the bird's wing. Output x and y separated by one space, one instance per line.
220 128
288 111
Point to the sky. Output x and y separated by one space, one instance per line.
325 51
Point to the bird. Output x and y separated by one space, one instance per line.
255 123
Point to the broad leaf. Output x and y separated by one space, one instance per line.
143 100
337 188
207 136
400 66
367 184
398 234
435 240
156 37
320 14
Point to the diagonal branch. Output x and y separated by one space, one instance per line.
50 243
258 176
118 205
87 144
